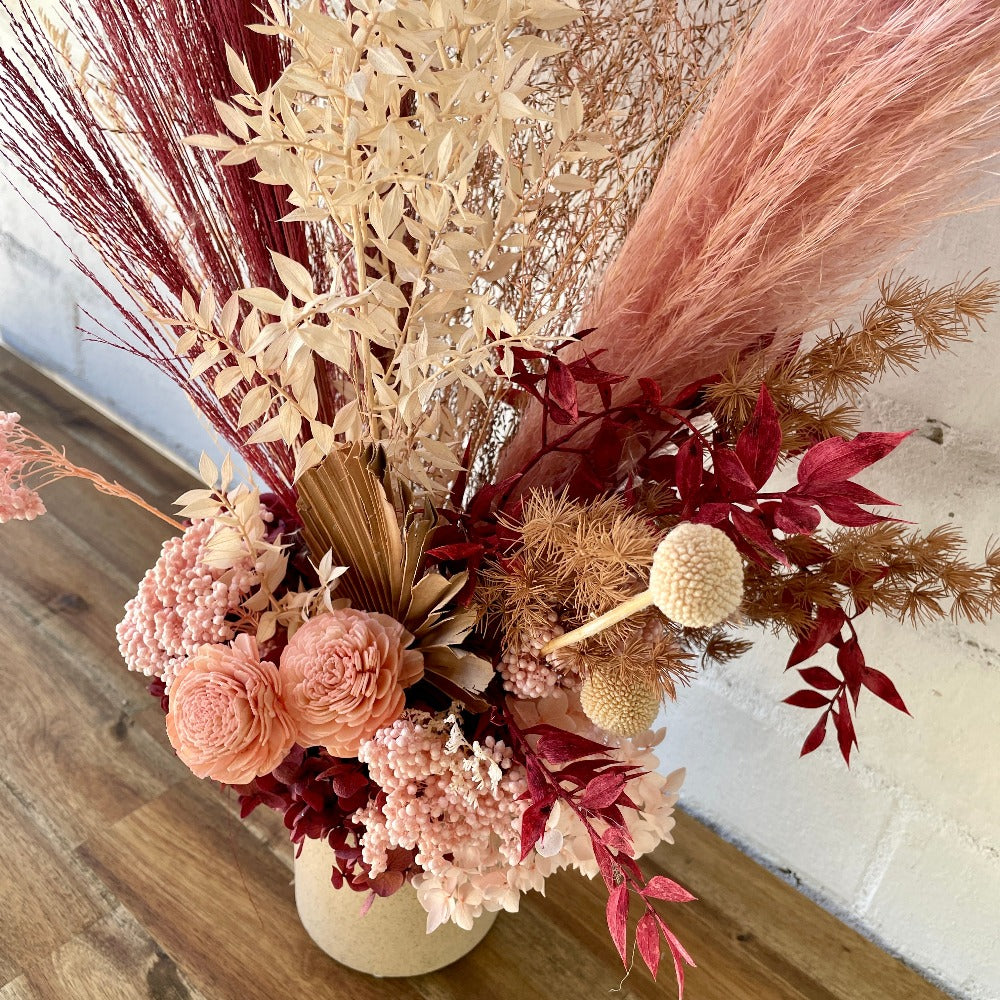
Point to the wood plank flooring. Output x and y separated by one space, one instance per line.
123 877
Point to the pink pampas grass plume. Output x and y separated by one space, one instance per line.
840 132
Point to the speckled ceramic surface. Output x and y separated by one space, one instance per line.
390 940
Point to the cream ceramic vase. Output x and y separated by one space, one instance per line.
391 939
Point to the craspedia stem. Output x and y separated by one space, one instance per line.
625 610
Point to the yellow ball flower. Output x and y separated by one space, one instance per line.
620 706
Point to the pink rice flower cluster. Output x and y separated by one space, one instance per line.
457 805
226 719
529 675
182 604
343 676
18 501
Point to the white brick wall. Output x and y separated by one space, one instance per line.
905 845
43 301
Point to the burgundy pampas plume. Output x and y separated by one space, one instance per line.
840 132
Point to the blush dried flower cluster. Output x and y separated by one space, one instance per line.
501 301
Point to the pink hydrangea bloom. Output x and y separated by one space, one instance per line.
18 501
343 676
226 719
182 605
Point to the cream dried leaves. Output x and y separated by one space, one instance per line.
377 126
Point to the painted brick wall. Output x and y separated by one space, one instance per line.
905 845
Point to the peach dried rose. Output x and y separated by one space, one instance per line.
226 719
342 677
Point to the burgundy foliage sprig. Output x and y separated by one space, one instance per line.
317 795
568 768
837 697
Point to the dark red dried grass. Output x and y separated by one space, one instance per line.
166 63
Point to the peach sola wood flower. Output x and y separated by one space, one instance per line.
343 676
226 719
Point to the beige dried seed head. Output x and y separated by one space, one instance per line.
697 576
619 704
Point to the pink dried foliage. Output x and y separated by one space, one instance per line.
226 719
182 604
840 132
527 674
18 500
433 803
343 676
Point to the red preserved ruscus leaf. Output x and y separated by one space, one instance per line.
603 791
617 913
559 747
882 687
829 622
647 939
734 480
846 736
836 460
533 822
690 469
816 736
759 443
661 887
750 528
820 678
807 698
562 390
796 517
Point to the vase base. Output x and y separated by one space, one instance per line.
390 940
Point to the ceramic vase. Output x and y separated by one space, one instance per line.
391 939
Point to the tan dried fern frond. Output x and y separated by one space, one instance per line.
816 390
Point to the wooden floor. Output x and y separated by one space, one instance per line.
123 876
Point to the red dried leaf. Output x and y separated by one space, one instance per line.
456 552
561 388
533 823
712 513
816 736
854 492
797 517
651 392
807 698
690 470
846 737
559 747
851 660
618 838
602 791
661 887
734 480
820 678
647 938
760 441
836 460
829 622
882 687
848 513
679 954
751 528
617 913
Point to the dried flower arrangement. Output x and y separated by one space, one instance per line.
511 308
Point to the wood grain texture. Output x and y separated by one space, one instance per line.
123 877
